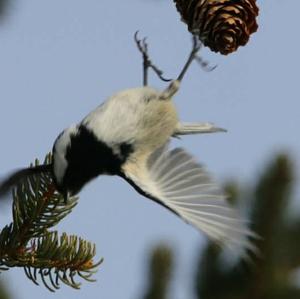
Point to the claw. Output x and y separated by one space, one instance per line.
147 63
140 46
197 45
204 64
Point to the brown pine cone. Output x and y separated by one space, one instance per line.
222 25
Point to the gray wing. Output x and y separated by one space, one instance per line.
175 180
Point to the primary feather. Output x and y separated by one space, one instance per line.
174 179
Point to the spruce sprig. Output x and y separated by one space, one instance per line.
28 243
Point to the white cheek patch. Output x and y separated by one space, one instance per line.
60 149
60 165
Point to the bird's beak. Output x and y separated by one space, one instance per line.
66 196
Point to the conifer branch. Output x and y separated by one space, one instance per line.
28 243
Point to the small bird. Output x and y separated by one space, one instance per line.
128 135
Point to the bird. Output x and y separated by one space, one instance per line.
129 135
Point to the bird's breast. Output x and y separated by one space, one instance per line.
135 116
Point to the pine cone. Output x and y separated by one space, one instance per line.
222 25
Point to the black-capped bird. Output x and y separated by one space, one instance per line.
128 136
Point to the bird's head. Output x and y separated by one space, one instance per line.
61 163
79 156
57 169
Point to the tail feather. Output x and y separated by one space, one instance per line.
197 128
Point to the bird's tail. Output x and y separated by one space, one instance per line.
197 128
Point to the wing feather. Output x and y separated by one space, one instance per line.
174 179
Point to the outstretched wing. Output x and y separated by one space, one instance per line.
175 180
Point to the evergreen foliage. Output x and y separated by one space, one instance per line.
269 275
160 270
4 293
4 7
27 242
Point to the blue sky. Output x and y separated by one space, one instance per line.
60 59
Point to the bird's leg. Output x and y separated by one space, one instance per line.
147 63
174 85
193 54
